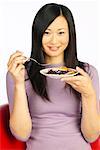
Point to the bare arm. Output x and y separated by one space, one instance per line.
90 122
20 120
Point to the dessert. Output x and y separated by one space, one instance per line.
61 70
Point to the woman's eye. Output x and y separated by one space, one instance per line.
46 32
61 32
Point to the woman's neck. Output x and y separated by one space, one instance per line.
54 60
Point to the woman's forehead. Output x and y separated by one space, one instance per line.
59 23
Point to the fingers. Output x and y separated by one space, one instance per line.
72 79
75 78
14 55
19 68
16 62
15 65
81 71
78 82
16 59
18 73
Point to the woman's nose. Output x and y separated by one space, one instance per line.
54 39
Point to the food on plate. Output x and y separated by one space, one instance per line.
58 72
61 70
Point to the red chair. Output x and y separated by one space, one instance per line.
96 145
9 142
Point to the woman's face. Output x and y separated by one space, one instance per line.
55 39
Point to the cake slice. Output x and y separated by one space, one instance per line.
61 70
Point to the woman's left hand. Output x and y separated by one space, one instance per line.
81 83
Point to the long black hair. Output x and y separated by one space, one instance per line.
44 17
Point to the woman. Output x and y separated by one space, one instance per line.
49 113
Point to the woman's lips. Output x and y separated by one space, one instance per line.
53 48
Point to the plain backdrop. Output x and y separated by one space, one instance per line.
16 17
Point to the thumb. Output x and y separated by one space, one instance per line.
81 71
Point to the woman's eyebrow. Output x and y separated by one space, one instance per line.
62 28
57 29
48 29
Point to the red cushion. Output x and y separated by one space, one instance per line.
96 145
8 141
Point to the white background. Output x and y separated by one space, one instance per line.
16 17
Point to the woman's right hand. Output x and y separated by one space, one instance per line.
16 67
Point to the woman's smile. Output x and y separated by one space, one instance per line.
53 48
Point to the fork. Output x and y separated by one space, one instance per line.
37 61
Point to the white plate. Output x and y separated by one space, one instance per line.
57 76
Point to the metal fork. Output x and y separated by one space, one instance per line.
37 62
